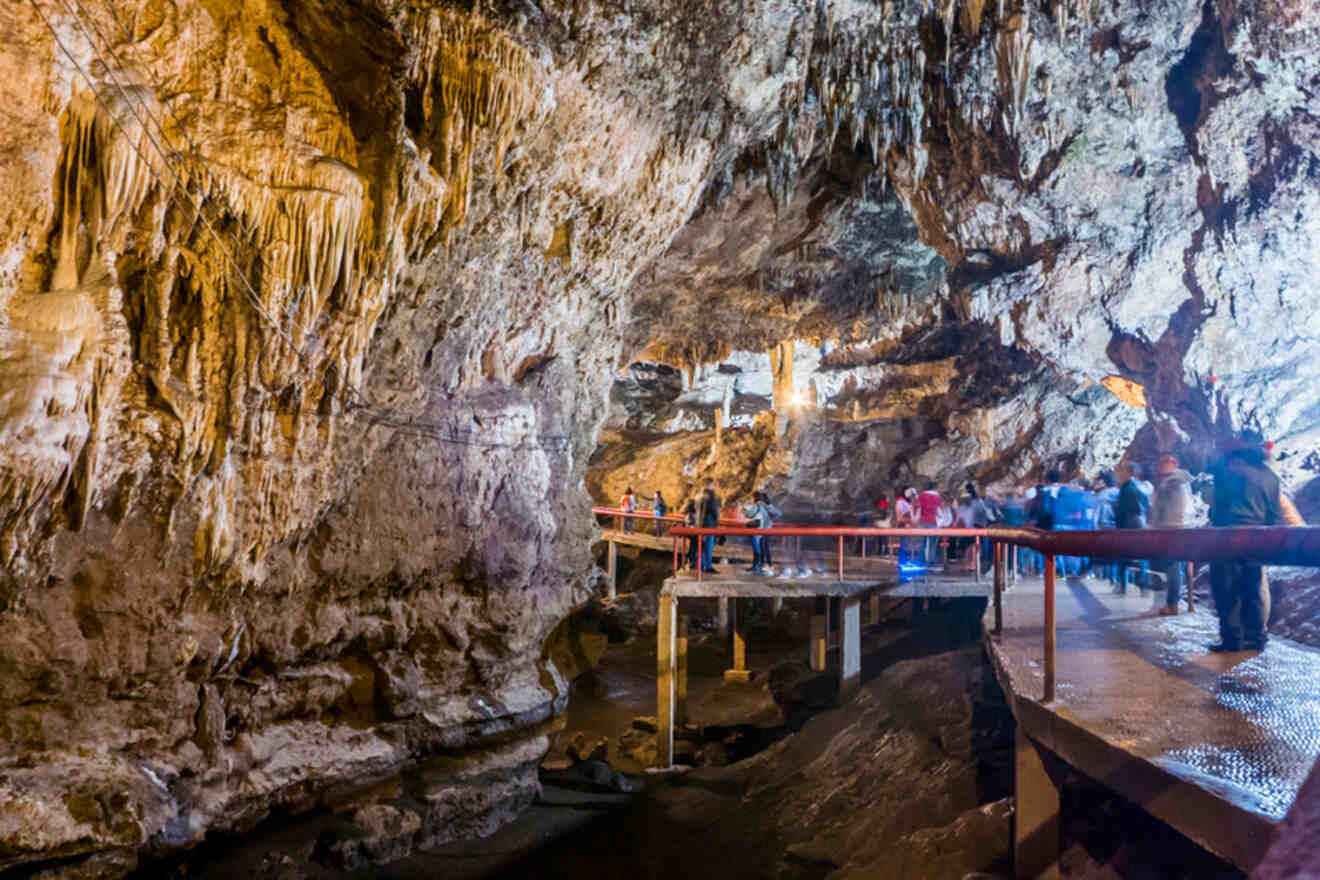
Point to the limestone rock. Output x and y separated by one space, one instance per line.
800 692
377 834
588 748
978 840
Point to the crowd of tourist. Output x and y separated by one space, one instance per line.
1240 489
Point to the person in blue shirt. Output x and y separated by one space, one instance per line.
659 508
1073 511
1106 504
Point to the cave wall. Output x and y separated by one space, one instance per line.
309 313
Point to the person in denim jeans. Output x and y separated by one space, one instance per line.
1168 510
1106 502
1130 513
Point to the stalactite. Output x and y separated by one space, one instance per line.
1013 63
484 82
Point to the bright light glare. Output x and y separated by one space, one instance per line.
797 399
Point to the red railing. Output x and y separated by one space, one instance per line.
1297 546
1269 545
839 532
620 515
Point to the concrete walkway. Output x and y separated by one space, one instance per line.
1215 745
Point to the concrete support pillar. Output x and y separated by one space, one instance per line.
722 618
875 608
681 671
1036 816
820 631
719 427
850 644
612 567
665 684
776 605
739 672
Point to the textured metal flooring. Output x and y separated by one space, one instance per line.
1244 726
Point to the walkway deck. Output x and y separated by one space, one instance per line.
1215 745
860 575
644 537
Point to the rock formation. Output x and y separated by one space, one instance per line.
309 313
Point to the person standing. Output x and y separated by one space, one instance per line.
928 516
1169 510
659 508
964 517
690 519
1072 513
1106 503
1130 513
1014 515
905 518
984 512
708 514
628 504
760 515
771 513
1246 493
883 520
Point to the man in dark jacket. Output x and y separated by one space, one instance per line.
1246 493
1130 513
708 516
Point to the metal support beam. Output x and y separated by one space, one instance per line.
1036 814
681 671
850 644
739 672
1000 553
820 630
1049 630
665 667
612 567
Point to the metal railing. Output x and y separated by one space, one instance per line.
838 532
1256 545
1272 545
619 515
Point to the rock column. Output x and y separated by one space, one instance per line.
781 371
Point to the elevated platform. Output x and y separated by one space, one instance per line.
647 540
860 575
1215 745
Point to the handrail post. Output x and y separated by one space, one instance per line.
1191 584
840 557
1049 630
999 553
976 556
700 564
